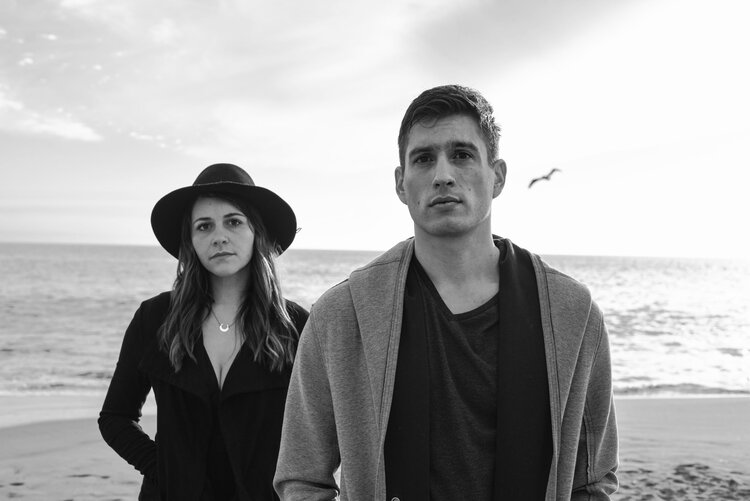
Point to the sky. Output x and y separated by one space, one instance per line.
107 105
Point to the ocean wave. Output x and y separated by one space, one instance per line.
676 327
684 389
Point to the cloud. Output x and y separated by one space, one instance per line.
82 4
7 103
112 13
165 32
484 37
198 60
61 127
14 117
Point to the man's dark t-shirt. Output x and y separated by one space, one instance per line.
462 357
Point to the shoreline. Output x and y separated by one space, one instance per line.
670 448
21 410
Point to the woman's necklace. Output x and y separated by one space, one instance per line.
223 327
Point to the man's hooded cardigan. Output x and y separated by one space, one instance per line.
341 390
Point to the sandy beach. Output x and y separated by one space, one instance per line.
684 448
670 449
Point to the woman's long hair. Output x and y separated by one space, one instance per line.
263 320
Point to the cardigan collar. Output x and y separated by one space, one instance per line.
378 292
244 376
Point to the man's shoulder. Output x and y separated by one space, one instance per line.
370 272
368 276
392 256
562 280
565 293
556 283
338 295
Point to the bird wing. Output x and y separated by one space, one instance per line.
545 177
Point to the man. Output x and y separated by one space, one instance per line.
456 365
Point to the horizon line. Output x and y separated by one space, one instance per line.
379 251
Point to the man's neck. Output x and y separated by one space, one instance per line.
464 269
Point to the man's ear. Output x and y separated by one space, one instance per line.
500 170
399 176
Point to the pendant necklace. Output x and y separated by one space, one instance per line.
222 327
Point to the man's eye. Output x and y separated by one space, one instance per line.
422 159
463 155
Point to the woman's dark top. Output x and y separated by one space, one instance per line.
218 468
247 415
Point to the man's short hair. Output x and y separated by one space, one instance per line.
446 100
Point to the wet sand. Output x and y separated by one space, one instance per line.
684 448
670 449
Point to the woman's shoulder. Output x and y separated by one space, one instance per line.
156 306
159 301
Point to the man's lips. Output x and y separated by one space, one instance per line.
444 200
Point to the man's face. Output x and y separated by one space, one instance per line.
447 180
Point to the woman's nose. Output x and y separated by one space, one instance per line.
220 238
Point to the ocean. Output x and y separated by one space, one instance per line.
677 326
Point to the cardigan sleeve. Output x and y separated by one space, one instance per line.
121 411
309 452
598 446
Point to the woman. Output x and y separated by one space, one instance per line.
217 350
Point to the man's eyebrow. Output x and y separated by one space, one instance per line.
420 150
463 144
449 145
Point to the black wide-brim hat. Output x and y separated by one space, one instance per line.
278 217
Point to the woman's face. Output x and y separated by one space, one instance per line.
221 235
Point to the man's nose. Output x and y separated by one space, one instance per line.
443 172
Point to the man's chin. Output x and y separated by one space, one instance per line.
444 229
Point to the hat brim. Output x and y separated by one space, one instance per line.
278 217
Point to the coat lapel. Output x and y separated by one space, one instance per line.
189 378
523 447
245 376
156 363
523 427
407 441
374 300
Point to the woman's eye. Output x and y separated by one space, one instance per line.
234 223
201 227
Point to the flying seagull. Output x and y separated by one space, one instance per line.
546 178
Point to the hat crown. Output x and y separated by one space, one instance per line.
223 173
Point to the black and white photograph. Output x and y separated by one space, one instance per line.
393 250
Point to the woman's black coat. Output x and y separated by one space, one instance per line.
250 414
